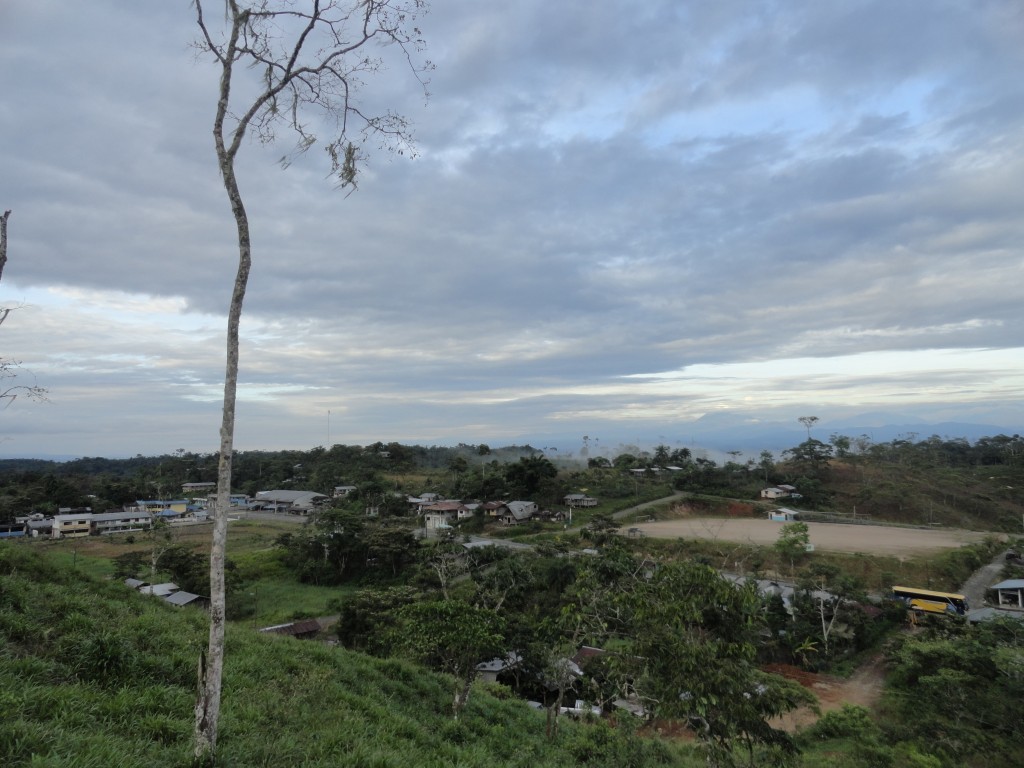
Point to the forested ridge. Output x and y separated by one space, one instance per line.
978 485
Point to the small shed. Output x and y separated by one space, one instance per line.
180 599
489 670
160 590
783 515
300 629
1009 594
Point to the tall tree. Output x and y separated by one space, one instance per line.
808 422
453 636
308 55
693 656
811 456
792 543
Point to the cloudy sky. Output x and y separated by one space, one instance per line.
622 218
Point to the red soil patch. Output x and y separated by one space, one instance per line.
863 688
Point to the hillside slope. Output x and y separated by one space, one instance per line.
93 674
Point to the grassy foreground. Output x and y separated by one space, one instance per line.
92 674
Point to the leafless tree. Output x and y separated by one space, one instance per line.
10 369
309 56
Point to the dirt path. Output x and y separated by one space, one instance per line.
974 588
834 537
863 688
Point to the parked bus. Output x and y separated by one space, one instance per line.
930 601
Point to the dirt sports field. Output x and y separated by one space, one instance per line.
833 537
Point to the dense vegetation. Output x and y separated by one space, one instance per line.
94 674
676 641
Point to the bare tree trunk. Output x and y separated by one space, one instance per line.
4 311
208 705
207 710
3 241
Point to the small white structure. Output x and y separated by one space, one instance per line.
1009 594
489 670
783 515
438 521
579 500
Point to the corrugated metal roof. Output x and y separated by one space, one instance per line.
294 628
160 590
102 516
289 497
1009 584
183 598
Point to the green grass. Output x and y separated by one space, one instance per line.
277 601
93 674
65 555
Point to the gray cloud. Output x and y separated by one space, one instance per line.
600 192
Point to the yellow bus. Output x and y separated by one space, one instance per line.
930 601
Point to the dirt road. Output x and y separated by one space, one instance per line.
832 537
977 585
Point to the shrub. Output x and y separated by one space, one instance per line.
850 721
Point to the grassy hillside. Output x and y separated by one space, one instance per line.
980 498
92 674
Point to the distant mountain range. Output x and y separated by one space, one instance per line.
719 433
716 434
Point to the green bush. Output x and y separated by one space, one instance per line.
850 721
